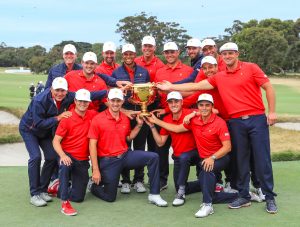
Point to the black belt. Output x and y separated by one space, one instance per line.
113 157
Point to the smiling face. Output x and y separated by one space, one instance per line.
193 52
175 105
148 50
128 58
230 57
171 56
109 57
88 68
210 51
58 94
115 105
209 69
205 108
69 58
81 106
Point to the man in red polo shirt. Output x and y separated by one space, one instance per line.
239 86
148 60
213 143
108 65
184 146
72 145
173 71
109 133
86 78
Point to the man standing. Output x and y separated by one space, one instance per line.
72 145
60 70
184 146
86 78
148 60
239 86
109 152
173 71
108 65
130 71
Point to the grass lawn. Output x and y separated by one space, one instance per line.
133 209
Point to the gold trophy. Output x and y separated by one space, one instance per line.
143 95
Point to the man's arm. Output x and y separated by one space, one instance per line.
202 85
190 78
159 139
96 176
65 159
170 127
135 131
271 99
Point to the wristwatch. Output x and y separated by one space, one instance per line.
214 157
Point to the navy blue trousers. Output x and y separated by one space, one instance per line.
39 180
182 165
207 179
111 167
252 134
78 173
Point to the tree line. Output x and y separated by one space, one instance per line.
273 44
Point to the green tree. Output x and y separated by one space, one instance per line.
263 46
134 28
39 64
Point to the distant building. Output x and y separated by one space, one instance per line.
20 70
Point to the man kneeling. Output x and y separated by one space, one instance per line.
109 152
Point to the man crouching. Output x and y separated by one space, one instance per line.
109 152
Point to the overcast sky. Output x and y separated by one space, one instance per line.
44 22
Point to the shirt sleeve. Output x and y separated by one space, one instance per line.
62 128
94 130
259 76
223 131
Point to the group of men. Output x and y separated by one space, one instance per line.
211 113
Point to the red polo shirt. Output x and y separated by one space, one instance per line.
151 66
77 80
130 72
179 72
74 131
105 68
240 89
110 133
208 136
181 142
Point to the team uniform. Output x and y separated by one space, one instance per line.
152 66
77 80
59 70
184 147
209 137
179 72
114 155
75 144
136 76
240 91
105 68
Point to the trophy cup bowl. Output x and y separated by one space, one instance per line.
143 94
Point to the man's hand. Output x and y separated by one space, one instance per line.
139 121
65 114
66 160
96 176
123 85
187 118
159 112
164 86
152 119
208 164
131 114
215 111
272 117
148 122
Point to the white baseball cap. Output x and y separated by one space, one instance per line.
109 46
83 95
229 46
89 56
69 48
60 83
210 60
170 46
115 93
206 97
194 42
148 40
128 47
174 95
208 42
